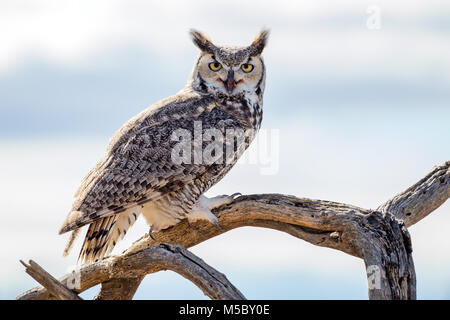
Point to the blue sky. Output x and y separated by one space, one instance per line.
362 114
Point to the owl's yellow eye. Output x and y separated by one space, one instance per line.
215 66
247 67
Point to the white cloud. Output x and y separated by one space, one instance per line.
306 35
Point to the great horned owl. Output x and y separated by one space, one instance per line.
138 173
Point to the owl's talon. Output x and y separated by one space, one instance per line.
150 233
218 225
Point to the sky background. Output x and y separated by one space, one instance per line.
362 114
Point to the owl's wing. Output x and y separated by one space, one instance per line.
137 166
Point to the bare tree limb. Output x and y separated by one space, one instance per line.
132 267
419 200
53 286
378 237
366 234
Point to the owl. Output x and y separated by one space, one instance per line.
161 162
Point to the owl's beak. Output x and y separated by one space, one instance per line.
230 84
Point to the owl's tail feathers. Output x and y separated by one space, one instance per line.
69 245
104 233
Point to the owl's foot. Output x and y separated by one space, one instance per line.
201 212
202 209
215 202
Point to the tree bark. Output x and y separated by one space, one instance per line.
120 276
55 288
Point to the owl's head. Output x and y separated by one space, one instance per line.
229 70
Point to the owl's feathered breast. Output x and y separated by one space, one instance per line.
138 164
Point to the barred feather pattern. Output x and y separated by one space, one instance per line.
137 173
103 235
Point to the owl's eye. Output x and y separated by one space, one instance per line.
215 66
247 67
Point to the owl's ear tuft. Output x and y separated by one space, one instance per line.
258 45
202 41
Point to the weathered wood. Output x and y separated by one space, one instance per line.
419 200
382 243
53 286
119 289
379 237
132 267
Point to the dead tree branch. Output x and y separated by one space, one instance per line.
125 272
419 200
379 237
53 286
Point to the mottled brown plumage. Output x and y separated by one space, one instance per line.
138 173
